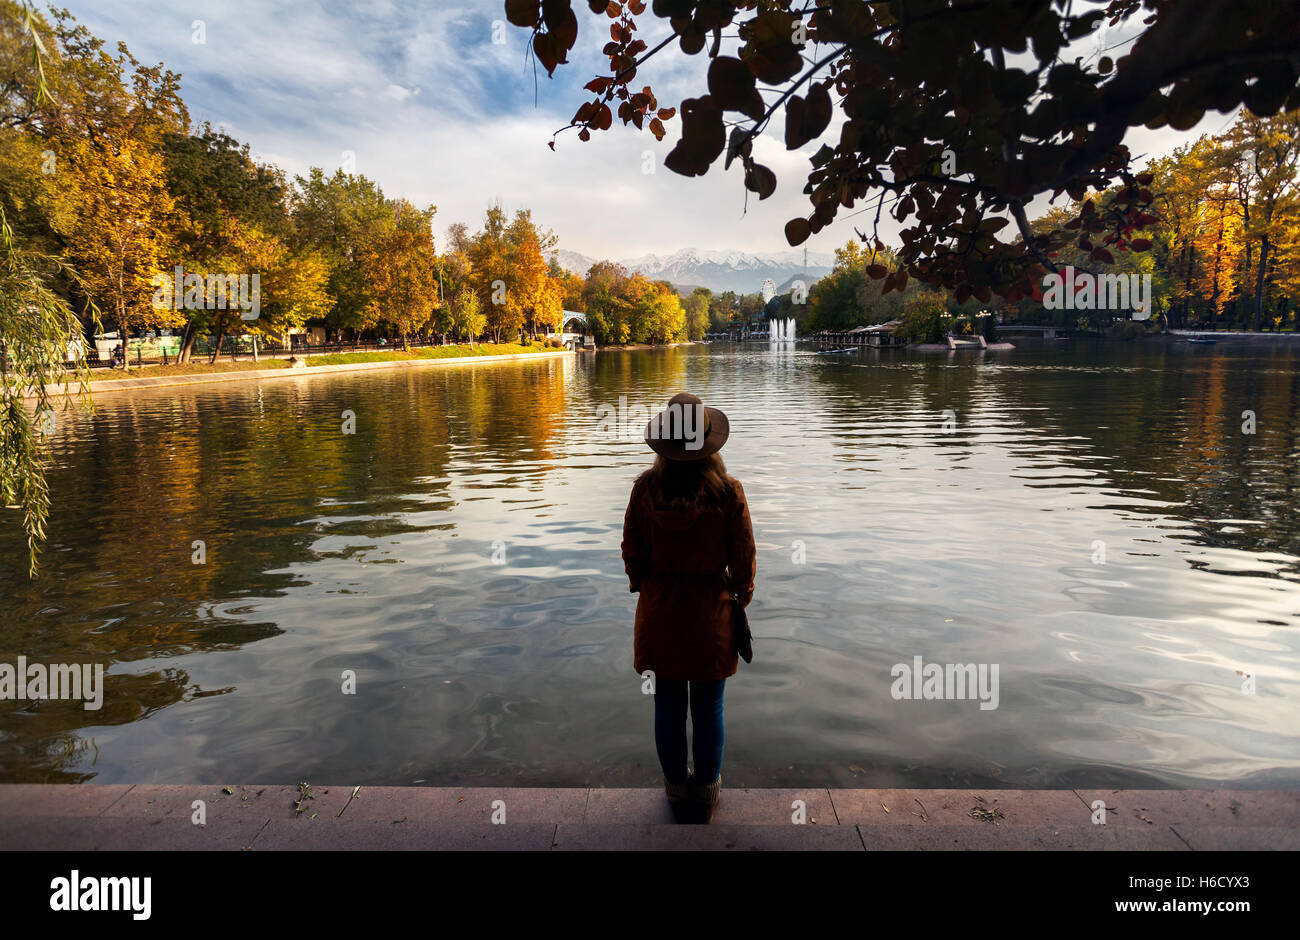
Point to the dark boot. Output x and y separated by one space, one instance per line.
705 797
679 797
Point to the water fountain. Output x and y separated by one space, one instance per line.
780 331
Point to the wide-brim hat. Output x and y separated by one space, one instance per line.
687 430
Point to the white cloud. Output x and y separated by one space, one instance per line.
398 93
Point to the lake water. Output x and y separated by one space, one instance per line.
1090 517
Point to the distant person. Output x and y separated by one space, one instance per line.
688 548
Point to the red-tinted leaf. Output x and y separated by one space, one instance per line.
544 49
526 13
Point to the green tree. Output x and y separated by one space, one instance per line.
467 315
335 215
38 334
697 313
724 308
221 195
923 317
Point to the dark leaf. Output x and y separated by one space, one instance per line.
731 83
761 180
524 13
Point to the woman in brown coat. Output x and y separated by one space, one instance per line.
688 548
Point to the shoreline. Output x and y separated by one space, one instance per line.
131 817
635 346
201 378
1242 335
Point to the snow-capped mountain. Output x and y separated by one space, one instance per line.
717 270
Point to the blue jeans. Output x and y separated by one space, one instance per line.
670 728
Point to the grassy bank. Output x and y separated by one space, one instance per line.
193 368
332 359
429 352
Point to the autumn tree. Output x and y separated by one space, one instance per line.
1180 181
1268 151
119 243
571 286
490 260
604 298
955 114
548 307
528 282
398 264
1218 246
97 119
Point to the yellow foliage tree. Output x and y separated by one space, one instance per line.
1218 245
398 263
118 244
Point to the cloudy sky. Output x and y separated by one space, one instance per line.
441 106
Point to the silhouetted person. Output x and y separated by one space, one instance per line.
688 548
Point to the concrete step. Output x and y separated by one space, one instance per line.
276 817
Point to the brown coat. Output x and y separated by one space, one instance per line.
686 563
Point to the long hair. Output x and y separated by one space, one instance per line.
686 483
